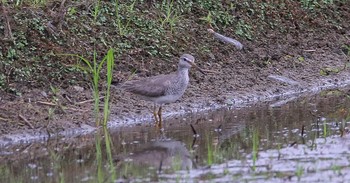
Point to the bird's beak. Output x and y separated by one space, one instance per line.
200 70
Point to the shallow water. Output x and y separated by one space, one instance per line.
304 139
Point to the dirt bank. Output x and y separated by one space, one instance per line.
298 53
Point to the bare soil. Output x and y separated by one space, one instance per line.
314 56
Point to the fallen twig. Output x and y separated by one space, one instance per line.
26 121
27 147
67 98
309 50
8 31
211 71
3 119
90 100
225 39
47 103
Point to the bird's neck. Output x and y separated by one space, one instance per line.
183 76
182 71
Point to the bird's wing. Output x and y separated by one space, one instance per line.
151 87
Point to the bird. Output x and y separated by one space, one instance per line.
164 88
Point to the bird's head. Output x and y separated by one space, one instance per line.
187 61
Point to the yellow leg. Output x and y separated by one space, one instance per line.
160 117
155 114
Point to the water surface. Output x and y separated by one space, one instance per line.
305 139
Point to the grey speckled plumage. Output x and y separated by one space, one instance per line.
162 89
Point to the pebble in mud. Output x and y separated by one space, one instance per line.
78 88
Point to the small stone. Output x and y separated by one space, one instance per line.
78 88
44 94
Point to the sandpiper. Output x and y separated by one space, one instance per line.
164 88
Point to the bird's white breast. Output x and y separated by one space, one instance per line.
166 99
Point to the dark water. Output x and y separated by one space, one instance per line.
303 140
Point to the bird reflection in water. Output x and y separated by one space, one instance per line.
161 155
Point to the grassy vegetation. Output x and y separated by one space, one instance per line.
94 69
210 155
299 172
311 5
137 28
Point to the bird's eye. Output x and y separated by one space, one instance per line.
186 59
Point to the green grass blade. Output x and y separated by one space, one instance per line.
110 65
